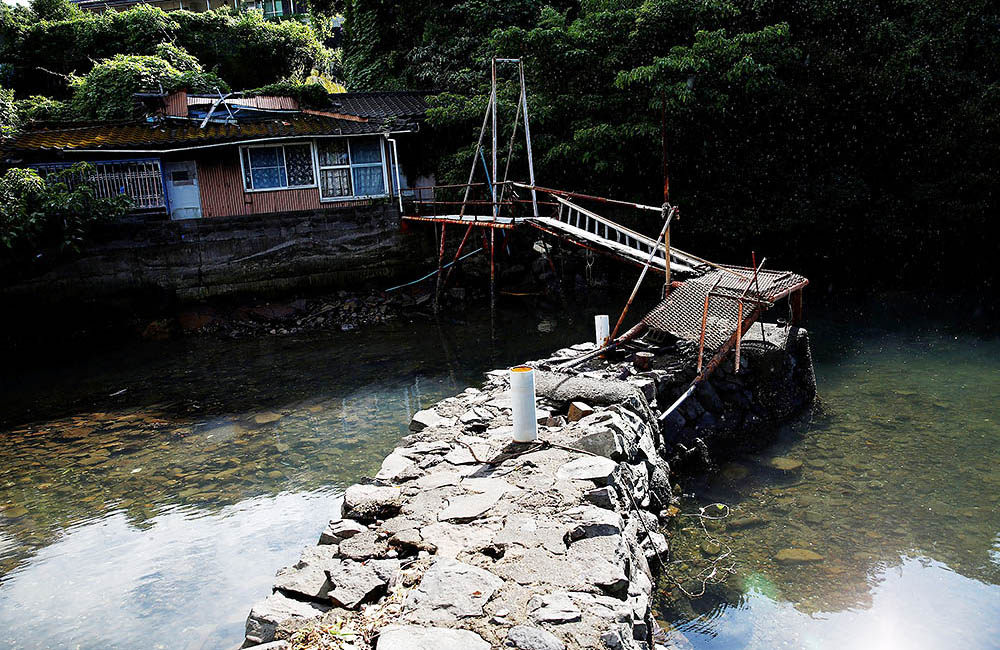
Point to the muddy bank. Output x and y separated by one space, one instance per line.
467 539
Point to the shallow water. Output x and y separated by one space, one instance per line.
155 490
897 496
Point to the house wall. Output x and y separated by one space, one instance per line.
220 181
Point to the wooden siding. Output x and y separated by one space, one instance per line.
222 194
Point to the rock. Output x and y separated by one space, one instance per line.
602 497
428 418
353 584
438 479
532 638
451 590
465 507
556 607
710 548
411 540
577 411
307 577
588 468
363 546
267 418
369 502
397 468
591 521
785 464
272 611
602 441
413 637
746 522
340 529
797 556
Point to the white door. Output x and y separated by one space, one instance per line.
182 189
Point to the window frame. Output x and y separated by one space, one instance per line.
350 167
245 160
313 145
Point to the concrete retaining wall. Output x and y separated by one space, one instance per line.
259 254
465 540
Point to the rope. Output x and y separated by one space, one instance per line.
434 272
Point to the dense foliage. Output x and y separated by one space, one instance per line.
45 216
38 53
9 118
829 136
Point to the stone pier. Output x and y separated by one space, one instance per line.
465 540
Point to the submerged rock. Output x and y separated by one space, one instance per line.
785 464
797 556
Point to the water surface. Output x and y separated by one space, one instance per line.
897 496
149 493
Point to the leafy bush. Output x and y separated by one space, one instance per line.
107 91
10 121
40 216
42 109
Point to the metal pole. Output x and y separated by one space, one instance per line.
642 276
493 173
527 140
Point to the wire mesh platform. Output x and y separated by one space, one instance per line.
684 313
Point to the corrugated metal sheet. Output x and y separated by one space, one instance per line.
177 103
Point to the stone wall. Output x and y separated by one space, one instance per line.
258 254
465 540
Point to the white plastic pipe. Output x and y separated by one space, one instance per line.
601 329
522 398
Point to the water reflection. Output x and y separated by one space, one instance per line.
881 529
155 492
920 604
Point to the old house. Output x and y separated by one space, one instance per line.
204 156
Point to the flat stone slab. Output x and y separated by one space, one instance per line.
451 590
366 503
524 637
429 418
353 583
556 607
267 615
307 577
414 637
588 468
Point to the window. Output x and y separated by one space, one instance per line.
350 167
181 178
278 167
334 168
366 165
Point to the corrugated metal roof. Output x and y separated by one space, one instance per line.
168 135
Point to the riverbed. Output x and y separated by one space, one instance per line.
148 493
883 531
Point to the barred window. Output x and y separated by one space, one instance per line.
278 167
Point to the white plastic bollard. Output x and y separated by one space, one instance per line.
601 327
522 398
